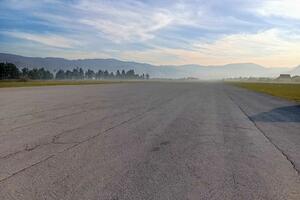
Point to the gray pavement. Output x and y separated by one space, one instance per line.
147 141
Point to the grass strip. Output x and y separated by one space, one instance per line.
288 91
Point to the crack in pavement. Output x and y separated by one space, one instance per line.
52 119
138 116
58 117
24 169
57 136
265 135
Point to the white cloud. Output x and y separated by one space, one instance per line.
124 22
270 48
281 8
45 39
132 30
244 45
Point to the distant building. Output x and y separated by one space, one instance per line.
284 78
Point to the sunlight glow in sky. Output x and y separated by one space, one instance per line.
265 32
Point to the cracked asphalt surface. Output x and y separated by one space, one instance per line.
148 141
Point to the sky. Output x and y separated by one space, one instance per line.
165 32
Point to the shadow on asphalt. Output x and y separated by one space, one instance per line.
282 114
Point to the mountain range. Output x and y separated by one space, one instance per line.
162 71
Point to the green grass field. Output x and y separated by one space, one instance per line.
31 83
285 90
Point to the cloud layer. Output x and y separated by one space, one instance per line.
160 32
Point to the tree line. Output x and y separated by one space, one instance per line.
10 71
80 74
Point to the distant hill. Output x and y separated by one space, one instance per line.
170 71
54 64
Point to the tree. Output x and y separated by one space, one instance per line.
14 72
68 75
9 71
33 74
123 74
75 73
99 74
81 74
130 74
105 74
60 75
111 75
118 75
45 74
90 74
25 72
37 74
2 71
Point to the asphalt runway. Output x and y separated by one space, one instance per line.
147 141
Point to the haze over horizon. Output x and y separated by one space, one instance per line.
156 32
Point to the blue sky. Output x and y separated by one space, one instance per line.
176 32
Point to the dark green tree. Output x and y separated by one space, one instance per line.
68 75
9 71
25 72
130 74
118 75
60 75
123 75
90 74
99 74
111 75
75 74
2 71
81 74
105 74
